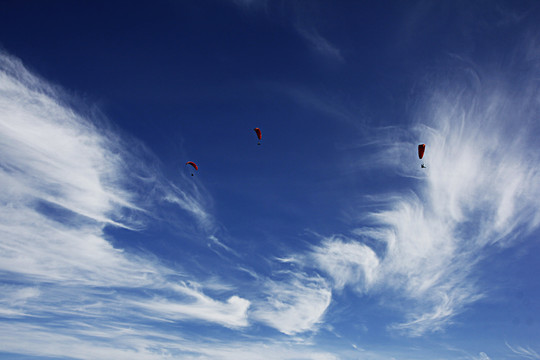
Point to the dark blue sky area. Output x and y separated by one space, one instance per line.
150 66
186 60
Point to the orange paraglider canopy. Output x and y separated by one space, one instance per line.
421 149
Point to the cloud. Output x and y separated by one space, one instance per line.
86 341
66 179
328 103
479 192
220 244
346 262
15 298
481 356
320 44
192 200
293 305
526 353
231 313
61 161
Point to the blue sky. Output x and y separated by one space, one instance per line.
328 241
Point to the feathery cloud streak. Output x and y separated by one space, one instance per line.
320 44
523 352
89 341
295 304
479 190
65 178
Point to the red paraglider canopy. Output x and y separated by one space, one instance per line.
421 149
258 132
193 164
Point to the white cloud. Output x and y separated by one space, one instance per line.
192 201
527 353
479 190
482 356
64 179
120 341
14 299
60 160
293 305
347 262
320 44
44 250
216 241
232 313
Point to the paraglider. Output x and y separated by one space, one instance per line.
421 150
193 165
259 135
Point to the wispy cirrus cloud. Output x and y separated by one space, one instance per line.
294 304
15 298
320 43
81 166
194 304
478 192
346 262
82 340
481 356
310 34
524 352
65 178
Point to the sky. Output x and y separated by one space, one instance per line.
328 240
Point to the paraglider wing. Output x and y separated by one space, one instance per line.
193 164
421 149
258 132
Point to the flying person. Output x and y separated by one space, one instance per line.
193 165
421 150
259 135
